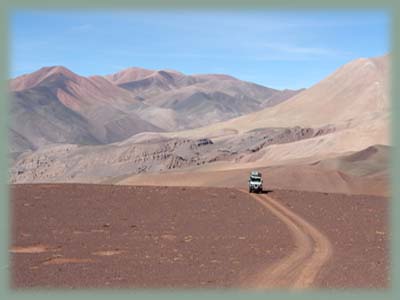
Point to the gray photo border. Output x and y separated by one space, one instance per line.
7 6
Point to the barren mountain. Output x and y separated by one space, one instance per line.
356 92
75 92
55 105
128 75
354 100
210 101
197 100
39 117
343 114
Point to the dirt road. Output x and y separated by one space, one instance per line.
299 269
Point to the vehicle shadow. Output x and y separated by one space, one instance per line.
266 191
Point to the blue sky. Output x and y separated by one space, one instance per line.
279 49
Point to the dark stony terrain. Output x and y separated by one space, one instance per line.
359 229
76 236
116 236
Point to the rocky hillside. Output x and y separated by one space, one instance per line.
55 105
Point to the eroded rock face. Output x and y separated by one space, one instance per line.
96 163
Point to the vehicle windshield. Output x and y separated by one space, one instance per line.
255 179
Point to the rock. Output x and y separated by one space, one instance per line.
204 141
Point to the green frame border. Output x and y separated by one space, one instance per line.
393 6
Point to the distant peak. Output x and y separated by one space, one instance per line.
48 72
364 60
129 74
216 76
135 69
33 79
57 70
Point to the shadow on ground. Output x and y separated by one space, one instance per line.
264 192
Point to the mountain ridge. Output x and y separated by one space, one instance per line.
117 106
344 113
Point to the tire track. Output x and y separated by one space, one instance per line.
299 269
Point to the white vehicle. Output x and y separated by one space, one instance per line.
255 182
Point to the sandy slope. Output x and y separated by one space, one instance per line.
356 91
354 99
361 172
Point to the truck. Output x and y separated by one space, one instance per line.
255 182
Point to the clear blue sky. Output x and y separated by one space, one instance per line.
279 49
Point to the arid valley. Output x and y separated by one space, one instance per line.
139 179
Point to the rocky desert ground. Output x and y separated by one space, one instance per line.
139 178
96 236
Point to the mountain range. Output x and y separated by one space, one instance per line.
139 126
55 105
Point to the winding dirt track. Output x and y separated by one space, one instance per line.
298 270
